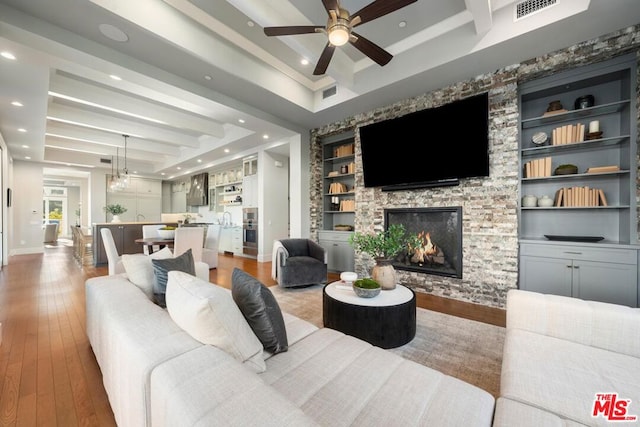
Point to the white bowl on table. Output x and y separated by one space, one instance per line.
348 277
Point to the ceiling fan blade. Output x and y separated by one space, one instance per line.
290 30
325 57
372 50
330 5
378 8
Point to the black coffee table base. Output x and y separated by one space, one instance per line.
382 326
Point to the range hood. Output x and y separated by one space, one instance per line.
199 189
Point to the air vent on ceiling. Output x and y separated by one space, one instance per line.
526 8
107 161
329 92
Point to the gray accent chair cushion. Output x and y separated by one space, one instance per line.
260 308
302 263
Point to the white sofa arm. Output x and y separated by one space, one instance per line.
597 324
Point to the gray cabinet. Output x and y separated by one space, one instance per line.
338 155
124 236
612 85
598 273
606 270
340 253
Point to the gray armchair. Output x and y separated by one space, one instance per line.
299 262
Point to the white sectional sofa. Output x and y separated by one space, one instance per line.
157 374
560 352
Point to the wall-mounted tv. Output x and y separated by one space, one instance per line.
427 148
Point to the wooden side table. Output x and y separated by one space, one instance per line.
387 320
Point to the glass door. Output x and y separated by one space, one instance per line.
54 208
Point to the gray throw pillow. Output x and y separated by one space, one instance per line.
161 268
260 308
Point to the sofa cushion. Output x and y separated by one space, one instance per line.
339 380
161 267
260 308
208 387
563 377
209 314
139 269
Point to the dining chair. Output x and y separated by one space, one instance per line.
113 258
189 238
211 245
151 231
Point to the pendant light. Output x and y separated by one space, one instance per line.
124 180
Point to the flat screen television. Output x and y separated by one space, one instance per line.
428 148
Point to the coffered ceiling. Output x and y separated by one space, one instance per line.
187 80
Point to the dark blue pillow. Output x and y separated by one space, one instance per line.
161 268
260 308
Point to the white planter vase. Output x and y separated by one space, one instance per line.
116 218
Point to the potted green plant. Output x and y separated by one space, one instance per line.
116 210
383 247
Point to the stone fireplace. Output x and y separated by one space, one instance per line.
440 231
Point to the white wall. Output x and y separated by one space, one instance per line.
273 202
27 233
7 217
98 197
300 198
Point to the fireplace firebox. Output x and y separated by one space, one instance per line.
440 230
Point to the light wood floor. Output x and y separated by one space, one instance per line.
48 373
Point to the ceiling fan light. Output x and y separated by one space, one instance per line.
339 35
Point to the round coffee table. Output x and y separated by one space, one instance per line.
387 320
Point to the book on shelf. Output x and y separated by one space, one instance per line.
600 169
538 168
568 134
580 197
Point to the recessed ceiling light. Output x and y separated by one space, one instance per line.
162 173
241 120
226 150
25 146
114 77
114 33
199 160
304 61
251 23
17 104
22 130
8 55
207 77
179 168
265 136
402 24
27 157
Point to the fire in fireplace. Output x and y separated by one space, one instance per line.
440 231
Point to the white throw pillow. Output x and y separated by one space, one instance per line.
139 269
208 313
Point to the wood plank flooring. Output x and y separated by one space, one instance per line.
48 373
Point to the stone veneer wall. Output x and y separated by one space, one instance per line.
489 205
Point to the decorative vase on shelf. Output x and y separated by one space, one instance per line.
116 218
384 273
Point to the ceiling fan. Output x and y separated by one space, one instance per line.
339 30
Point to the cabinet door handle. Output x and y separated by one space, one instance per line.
569 266
576 266
335 244
573 253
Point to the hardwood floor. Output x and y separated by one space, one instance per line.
48 373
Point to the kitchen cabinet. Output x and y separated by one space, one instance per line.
340 254
228 188
250 191
124 236
599 273
231 240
